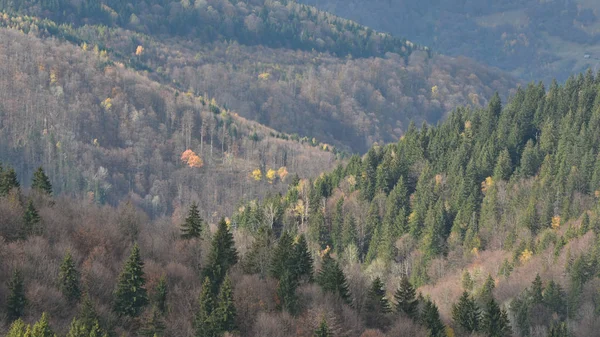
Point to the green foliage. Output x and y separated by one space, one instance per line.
486 291
18 329
323 330
193 225
31 220
41 182
537 290
16 302
225 311
42 328
286 292
430 318
467 281
559 329
406 301
377 305
221 257
130 295
79 329
302 260
554 298
282 255
153 325
466 314
331 278
68 279
160 295
205 323
8 181
494 322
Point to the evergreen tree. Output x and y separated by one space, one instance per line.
87 315
130 295
377 305
221 257
16 299
406 301
160 295
18 329
31 219
192 227
153 325
225 312
68 279
282 256
467 281
204 322
486 291
302 260
466 314
286 292
537 290
323 330
495 321
41 182
42 328
430 318
8 181
554 299
337 224
332 279
79 329
559 329
503 168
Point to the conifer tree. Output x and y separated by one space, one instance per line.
302 260
332 279
8 181
486 291
503 168
18 329
42 328
323 330
466 314
87 314
153 325
554 299
68 279
130 296
160 295
192 227
349 232
41 182
282 256
337 224
430 318
537 290
31 219
78 329
16 299
226 313
406 301
221 257
204 322
377 304
494 322
467 281
559 329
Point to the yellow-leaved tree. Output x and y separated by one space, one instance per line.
271 175
256 174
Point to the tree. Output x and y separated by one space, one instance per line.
16 299
192 227
221 257
286 292
486 291
18 329
559 329
42 328
503 168
302 260
41 182
331 278
406 301
226 313
8 181
466 314
130 295
68 279
495 321
31 219
79 329
282 256
554 298
467 281
430 318
160 295
377 304
537 290
87 315
153 325
204 322
323 330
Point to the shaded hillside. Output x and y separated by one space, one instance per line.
103 130
342 98
531 39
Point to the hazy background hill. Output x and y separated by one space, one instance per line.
532 39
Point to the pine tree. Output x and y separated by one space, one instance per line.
130 295
226 313
42 328
486 291
554 299
192 227
282 254
18 329
467 281
160 295
466 314
332 279
302 260
204 322
537 290
31 219
41 182
68 279
16 299
503 168
153 325
8 181
559 329
323 330
430 318
87 315
406 301
221 257
377 305
286 292
495 321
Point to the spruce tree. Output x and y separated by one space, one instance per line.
467 281
204 322
282 255
16 299
286 292
494 322
68 279
302 260
42 328
31 219
503 168
160 295
331 278
41 182
554 299
225 312
221 257
87 314
8 181
537 290
192 227
406 301
130 295
154 324
323 330
18 329
486 291
377 305
466 314
430 318
559 329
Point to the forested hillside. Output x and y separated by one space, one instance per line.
285 65
467 212
535 40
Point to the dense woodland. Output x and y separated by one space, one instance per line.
439 234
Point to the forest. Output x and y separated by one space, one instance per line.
486 224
